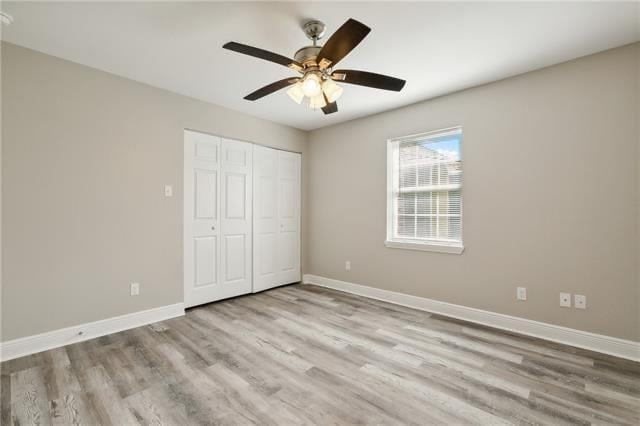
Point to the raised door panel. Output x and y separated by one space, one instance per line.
235 199
236 155
206 193
235 258
266 260
266 205
287 200
288 251
205 269
205 150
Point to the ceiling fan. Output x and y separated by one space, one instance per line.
316 66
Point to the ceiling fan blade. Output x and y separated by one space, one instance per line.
369 79
331 107
270 88
263 54
347 37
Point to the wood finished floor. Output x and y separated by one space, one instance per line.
309 355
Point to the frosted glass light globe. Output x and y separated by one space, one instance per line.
311 86
317 102
296 93
332 90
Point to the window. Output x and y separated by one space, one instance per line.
424 204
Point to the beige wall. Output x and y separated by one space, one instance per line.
550 196
85 157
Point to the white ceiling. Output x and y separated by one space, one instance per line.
437 47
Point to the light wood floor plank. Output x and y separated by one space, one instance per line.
29 397
303 355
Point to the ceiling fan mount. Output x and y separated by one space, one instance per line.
316 85
314 30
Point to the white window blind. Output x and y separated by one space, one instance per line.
425 190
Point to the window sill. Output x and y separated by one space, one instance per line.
439 248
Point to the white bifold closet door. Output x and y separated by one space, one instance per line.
276 218
217 218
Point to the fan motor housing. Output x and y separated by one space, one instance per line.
307 55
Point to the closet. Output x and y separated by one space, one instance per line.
241 218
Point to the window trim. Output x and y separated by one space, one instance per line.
407 243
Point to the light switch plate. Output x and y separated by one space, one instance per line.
580 301
135 289
565 300
168 191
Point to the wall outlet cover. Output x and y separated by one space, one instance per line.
565 300
521 293
580 301
135 289
168 191
347 265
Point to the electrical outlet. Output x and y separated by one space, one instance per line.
168 191
580 301
135 289
347 265
565 300
521 293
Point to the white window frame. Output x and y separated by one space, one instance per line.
392 179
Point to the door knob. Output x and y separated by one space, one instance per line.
213 228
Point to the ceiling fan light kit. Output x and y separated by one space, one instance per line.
317 101
296 93
315 64
331 90
311 84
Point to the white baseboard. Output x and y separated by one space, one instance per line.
582 339
65 336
